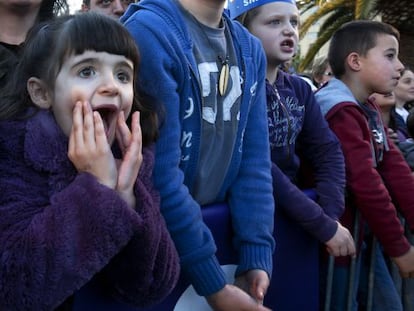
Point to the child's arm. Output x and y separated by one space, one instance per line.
370 194
156 265
150 255
323 151
51 249
308 214
400 182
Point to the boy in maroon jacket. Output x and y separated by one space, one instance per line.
364 59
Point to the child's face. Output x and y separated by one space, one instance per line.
276 25
103 80
405 87
380 68
326 76
112 8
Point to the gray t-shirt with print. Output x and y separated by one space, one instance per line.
220 115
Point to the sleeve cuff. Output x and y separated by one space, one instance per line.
207 277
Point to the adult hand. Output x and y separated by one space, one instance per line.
232 298
342 243
255 283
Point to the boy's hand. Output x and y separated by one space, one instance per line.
232 298
405 263
255 283
88 148
342 243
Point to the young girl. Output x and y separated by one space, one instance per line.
296 126
73 210
404 93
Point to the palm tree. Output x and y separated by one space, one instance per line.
333 14
336 12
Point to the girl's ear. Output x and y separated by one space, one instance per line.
38 93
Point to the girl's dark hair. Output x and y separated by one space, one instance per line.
49 44
357 36
246 18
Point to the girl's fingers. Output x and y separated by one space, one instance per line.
123 133
136 129
135 141
88 125
132 157
99 135
77 126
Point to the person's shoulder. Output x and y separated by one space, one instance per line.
12 134
152 13
333 95
308 81
301 81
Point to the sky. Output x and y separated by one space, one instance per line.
74 5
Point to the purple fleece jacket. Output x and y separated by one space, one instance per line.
59 228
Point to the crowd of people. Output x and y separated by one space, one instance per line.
122 123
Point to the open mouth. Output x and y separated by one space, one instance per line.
108 116
288 44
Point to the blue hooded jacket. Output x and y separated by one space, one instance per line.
169 72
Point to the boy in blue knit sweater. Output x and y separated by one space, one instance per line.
209 73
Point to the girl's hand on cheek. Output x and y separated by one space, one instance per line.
130 143
89 150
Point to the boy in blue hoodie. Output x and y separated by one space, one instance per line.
209 73
297 130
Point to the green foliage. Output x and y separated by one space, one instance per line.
331 15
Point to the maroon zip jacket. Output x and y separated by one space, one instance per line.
376 189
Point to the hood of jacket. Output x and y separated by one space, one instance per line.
332 94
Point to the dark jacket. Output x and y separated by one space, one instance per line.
297 128
378 179
60 228
9 57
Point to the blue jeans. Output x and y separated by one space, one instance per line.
340 287
385 295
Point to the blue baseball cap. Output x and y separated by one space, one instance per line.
238 7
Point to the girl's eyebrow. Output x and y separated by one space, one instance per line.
94 61
127 64
280 15
91 60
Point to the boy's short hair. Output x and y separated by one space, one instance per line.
356 36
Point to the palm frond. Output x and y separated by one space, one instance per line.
338 14
324 10
320 41
365 9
